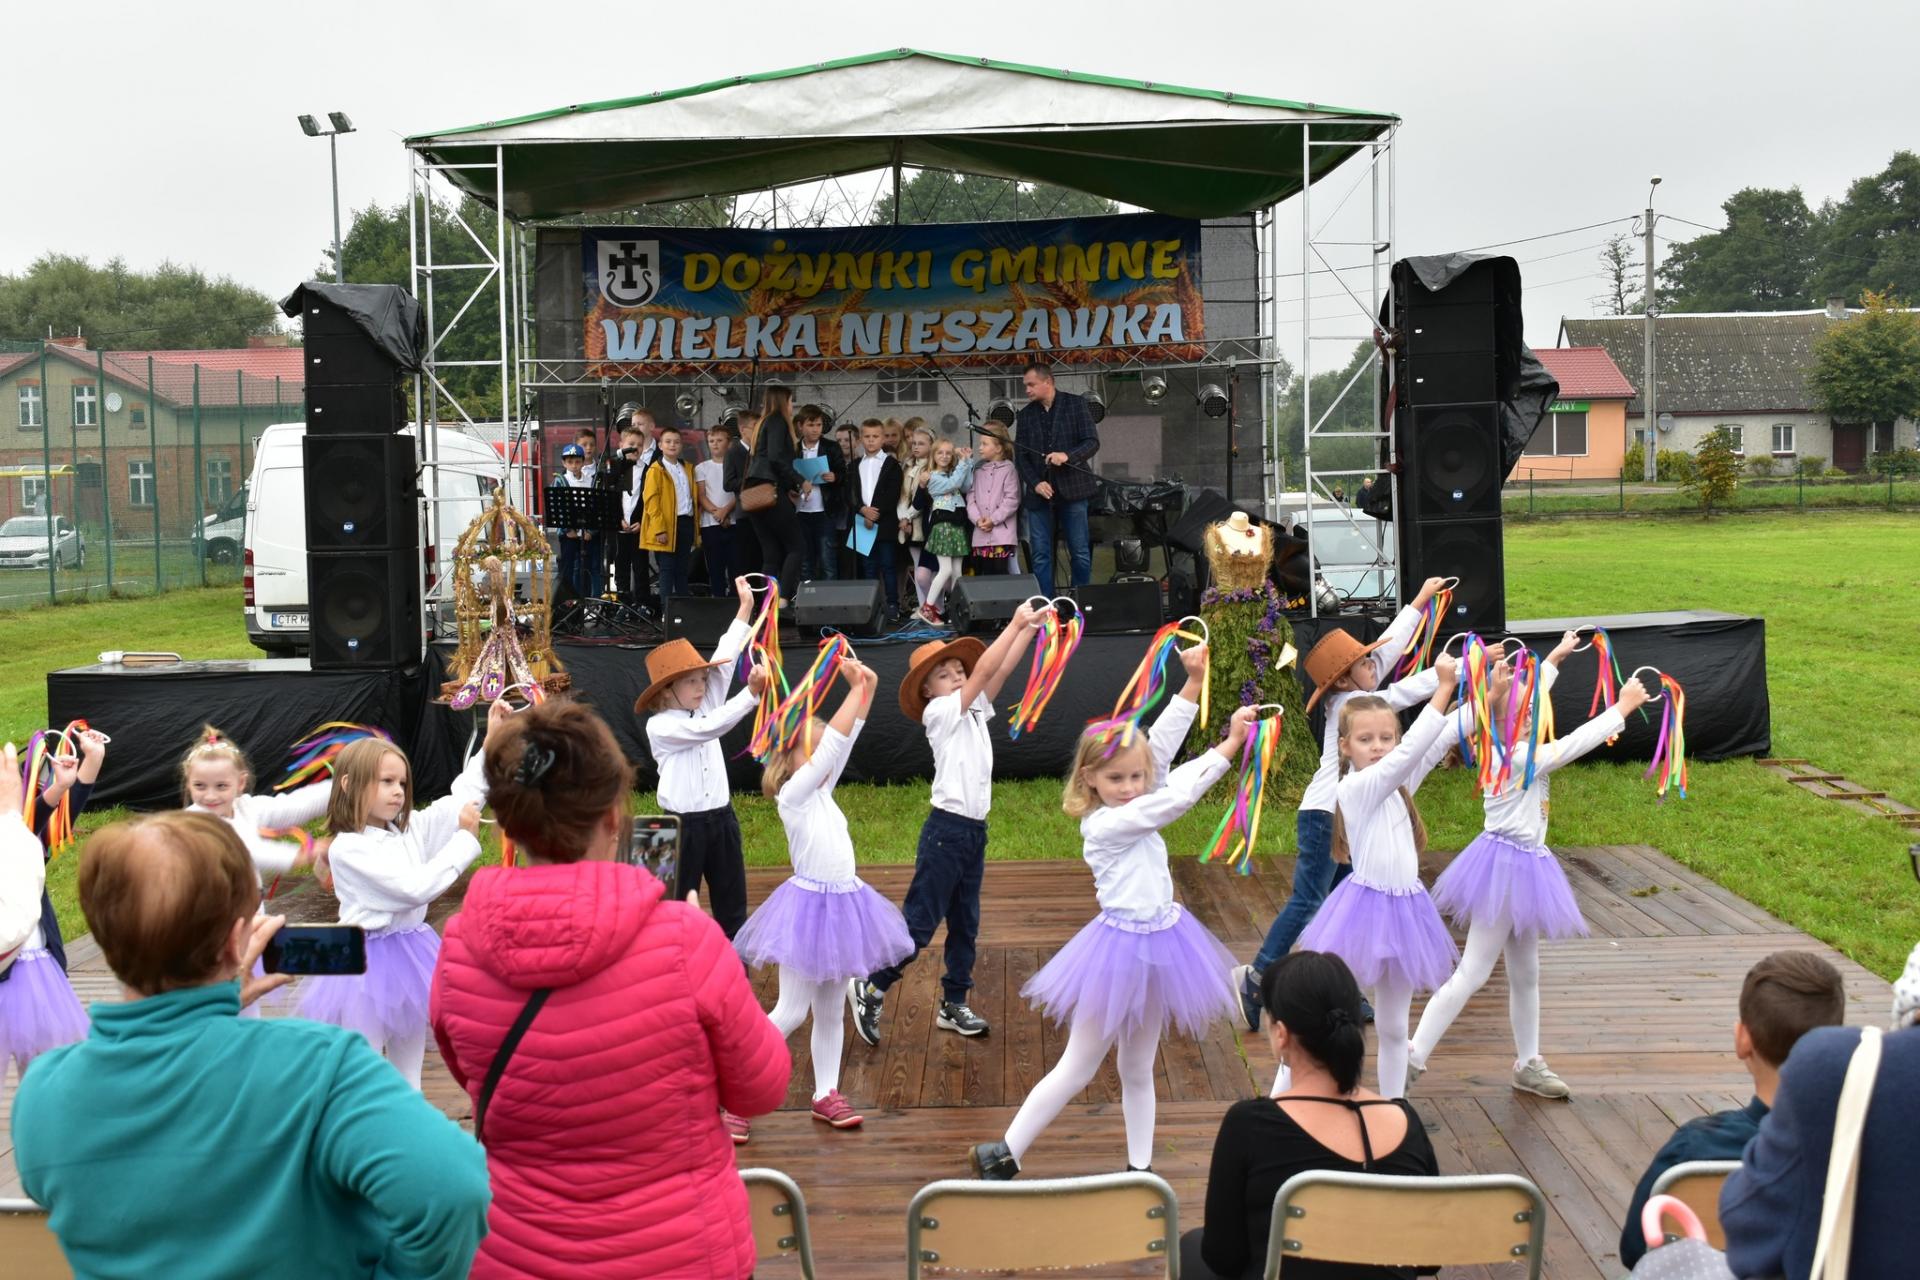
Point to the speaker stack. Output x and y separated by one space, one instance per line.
363 512
1447 432
989 601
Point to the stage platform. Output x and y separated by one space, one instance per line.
1638 1018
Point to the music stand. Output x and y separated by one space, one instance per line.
583 510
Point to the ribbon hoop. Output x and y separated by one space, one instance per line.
1450 584
1659 682
535 695
1262 706
1206 633
1585 626
1044 602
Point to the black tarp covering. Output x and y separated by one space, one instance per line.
386 313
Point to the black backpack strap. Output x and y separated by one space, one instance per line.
514 1035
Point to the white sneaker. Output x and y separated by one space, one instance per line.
1414 1072
1538 1078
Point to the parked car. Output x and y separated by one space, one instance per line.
225 531
1352 550
23 543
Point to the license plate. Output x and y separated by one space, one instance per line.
278 620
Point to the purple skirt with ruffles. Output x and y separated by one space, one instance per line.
1384 936
1495 877
825 930
38 1010
390 998
1123 976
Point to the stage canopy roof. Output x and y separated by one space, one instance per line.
1189 152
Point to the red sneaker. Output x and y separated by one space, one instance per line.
836 1111
739 1128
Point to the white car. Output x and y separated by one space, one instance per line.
225 531
23 543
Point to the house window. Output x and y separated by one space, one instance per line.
1883 437
32 408
1012 390
86 405
920 390
1560 435
219 481
1738 435
140 482
1783 438
33 492
137 419
87 474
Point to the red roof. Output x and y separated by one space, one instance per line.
285 363
227 377
1586 373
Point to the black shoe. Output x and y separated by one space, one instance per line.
1366 1010
957 1018
1247 985
865 1000
993 1162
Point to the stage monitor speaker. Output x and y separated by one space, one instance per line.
1450 462
1469 550
1446 339
360 493
337 351
1189 532
700 619
364 607
853 607
979 604
356 408
1120 607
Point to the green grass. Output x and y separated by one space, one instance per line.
1547 498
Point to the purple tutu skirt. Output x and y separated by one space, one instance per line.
1493 877
825 931
390 998
1384 936
38 1010
1124 976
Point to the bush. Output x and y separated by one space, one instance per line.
1670 466
1898 462
1811 465
1834 473
1761 466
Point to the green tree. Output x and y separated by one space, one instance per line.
933 195
171 307
1873 241
1716 470
1763 261
1354 413
1621 271
1867 369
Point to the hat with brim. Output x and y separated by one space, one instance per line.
928 656
1332 655
668 663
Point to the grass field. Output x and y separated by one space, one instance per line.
1842 601
1589 497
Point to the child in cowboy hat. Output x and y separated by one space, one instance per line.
950 689
1340 667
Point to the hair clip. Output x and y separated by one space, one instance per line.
536 762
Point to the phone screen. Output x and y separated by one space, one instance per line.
309 949
653 845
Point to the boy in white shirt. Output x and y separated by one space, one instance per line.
716 509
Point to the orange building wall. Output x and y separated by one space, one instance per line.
1606 449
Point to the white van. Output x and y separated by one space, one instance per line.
275 554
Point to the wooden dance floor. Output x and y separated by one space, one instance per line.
1638 1019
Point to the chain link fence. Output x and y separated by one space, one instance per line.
1532 495
124 473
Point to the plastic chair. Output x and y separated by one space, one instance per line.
1385 1221
28 1243
779 1215
1696 1184
1057 1223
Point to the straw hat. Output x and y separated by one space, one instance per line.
1329 659
668 663
925 658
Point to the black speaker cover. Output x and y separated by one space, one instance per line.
360 492
1189 533
1113 608
853 607
1452 456
977 604
1469 550
356 408
364 607
700 619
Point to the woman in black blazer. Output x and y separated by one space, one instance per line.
775 525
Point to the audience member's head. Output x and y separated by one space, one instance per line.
170 898
558 782
1314 1010
1785 996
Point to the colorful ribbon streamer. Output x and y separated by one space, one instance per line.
763 648
1057 641
313 755
1669 763
1426 630
1148 685
1239 828
792 718
1607 681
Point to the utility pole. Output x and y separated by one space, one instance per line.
1649 379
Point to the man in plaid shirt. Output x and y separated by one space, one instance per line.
1054 441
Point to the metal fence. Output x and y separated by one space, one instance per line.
1539 496
124 472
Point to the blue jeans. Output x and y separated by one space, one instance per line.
948 866
817 545
1069 520
1314 876
879 564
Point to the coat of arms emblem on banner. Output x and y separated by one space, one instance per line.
629 271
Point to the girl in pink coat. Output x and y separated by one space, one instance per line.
993 504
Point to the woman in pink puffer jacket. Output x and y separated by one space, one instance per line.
604 1139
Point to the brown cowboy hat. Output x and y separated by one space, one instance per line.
925 658
668 663
1331 657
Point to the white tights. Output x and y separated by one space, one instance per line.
406 1052
1392 1005
826 1001
943 580
1086 1050
1487 940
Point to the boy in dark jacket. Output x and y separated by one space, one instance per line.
873 492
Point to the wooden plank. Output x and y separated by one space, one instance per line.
1487 1150
986 1060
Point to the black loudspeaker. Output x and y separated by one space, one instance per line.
1445 352
338 351
1469 550
1450 464
1119 607
700 619
852 607
356 408
360 493
979 604
365 609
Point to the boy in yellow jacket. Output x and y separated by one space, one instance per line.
668 528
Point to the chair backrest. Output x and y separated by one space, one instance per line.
1059 1222
28 1243
779 1214
1697 1184
1382 1220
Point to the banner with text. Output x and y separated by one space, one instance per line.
667 301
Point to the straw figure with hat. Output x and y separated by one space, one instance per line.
950 690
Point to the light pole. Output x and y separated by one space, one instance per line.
1650 383
311 127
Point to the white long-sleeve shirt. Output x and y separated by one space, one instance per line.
962 754
686 744
1374 814
23 877
1122 843
1519 813
255 814
1412 691
818 842
386 878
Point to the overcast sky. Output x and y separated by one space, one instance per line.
166 131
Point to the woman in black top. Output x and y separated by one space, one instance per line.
1324 1121
776 526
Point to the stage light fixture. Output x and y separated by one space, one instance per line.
1000 411
1097 406
731 418
310 126
686 402
1213 400
1154 389
340 122
1130 555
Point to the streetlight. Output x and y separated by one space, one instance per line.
311 127
1650 392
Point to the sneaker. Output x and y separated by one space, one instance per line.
1538 1078
1414 1072
960 1019
739 1128
993 1162
1366 1009
836 1111
864 1000
1246 983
